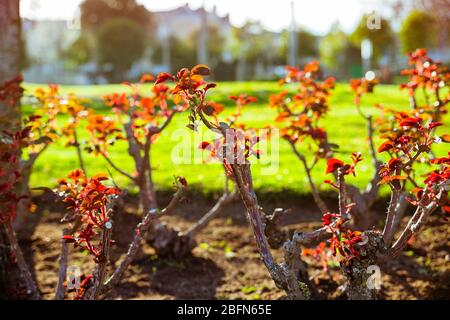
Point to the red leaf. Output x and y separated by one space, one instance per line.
333 164
394 163
331 183
182 181
146 78
411 122
204 145
163 77
69 239
100 176
200 69
445 138
385 146
210 86
388 179
434 125
86 281
442 160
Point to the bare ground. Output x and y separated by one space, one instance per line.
226 265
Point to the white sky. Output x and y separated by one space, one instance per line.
315 15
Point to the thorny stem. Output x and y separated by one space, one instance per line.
133 147
159 129
314 237
142 163
389 230
414 158
244 184
63 259
315 193
285 276
104 258
243 181
440 103
370 133
146 159
62 275
412 101
416 222
342 194
117 168
286 108
372 189
225 199
144 178
79 153
141 233
226 187
209 125
362 200
358 108
399 212
426 96
294 264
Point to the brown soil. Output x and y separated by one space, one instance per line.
226 265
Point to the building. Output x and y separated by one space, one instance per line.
182 22
45 42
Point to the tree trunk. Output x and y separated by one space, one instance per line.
9 271
10 55
26 221
10 39
362 272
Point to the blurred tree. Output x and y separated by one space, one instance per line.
182 53
81 51
120 42
215 45
239 48
438 9
113 56
419 30
443 6
96 12
381 36
283 47
338 54
307 44
441 10
258 44
249 48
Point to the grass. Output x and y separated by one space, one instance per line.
344 126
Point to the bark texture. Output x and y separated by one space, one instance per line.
358 269
10 55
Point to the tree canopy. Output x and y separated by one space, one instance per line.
381 36
120 42
418 30
96 12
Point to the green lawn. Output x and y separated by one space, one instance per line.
344 126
